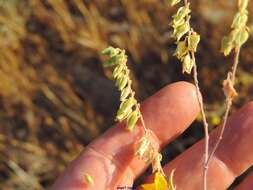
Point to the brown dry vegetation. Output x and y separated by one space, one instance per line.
54 96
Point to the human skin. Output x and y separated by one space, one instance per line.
111 162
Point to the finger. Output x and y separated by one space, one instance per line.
231 159
247 184
110 159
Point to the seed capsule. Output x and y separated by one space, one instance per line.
132 119
125 108
125 93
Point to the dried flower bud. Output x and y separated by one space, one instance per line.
228 87
188 64
156 163
144 146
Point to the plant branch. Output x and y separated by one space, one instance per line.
205 124
228 106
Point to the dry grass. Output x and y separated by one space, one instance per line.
54 97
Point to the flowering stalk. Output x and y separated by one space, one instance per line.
129 110
187 42
234 41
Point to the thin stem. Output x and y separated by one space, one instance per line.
201 106
228 106
205 124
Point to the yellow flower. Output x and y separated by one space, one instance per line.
160 183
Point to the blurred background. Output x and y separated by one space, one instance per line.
55 96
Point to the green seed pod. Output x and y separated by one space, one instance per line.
242 38
123 115
193 41
117 70
240 20
111 51
187 64
132 119
125 107
226 45
180 15
123 82
125 93
181 30
119 79
181 49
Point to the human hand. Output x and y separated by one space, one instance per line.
111 162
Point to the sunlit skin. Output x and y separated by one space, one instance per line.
111 162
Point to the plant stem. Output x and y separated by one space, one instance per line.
228 106
205 124
201 106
